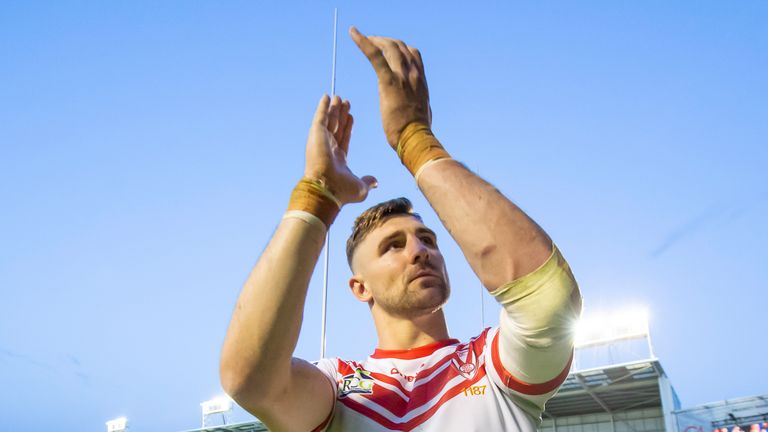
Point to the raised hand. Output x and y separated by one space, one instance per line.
403 92
327 149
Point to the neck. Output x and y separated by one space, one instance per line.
397 333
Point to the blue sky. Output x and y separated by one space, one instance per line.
147 151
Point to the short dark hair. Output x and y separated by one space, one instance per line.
373 218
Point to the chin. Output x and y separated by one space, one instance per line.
416 307
434 303
440 306
424 300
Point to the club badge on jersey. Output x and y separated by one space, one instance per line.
468 367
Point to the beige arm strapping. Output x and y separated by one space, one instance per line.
537 321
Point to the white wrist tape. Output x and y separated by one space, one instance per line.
306 217
427 165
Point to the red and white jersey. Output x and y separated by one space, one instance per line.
444 386
482 385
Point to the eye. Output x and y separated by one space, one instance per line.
395 244
428 240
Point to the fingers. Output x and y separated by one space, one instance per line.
338 134
392 56
345 127
347 135
321 114
414 72
333 115
405 53
373 53
417 58
397 61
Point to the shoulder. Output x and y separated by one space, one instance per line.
336 366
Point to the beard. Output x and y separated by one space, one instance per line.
418 297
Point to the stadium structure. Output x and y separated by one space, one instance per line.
616 384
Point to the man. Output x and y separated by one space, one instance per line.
418 378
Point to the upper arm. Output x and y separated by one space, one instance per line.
304 403
533 348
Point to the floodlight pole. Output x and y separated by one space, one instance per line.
324 308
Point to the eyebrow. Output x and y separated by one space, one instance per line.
420 230
425 230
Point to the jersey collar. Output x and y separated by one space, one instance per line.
413 353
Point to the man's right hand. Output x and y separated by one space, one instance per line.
403 93
327 149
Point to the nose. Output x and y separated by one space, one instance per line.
419 252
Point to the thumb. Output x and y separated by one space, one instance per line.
370 182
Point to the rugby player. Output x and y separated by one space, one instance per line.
418 378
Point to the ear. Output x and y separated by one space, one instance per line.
359 289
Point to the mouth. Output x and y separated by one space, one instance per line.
423 274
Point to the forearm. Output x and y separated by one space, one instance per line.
501 243
266 321
257 365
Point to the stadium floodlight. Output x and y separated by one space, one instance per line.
631 323
218 405
119 424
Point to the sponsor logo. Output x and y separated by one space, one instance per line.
358 382
409 378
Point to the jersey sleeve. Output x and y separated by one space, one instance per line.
532 349
329 369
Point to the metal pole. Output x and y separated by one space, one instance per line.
482 307
333 67
482 299
328 234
